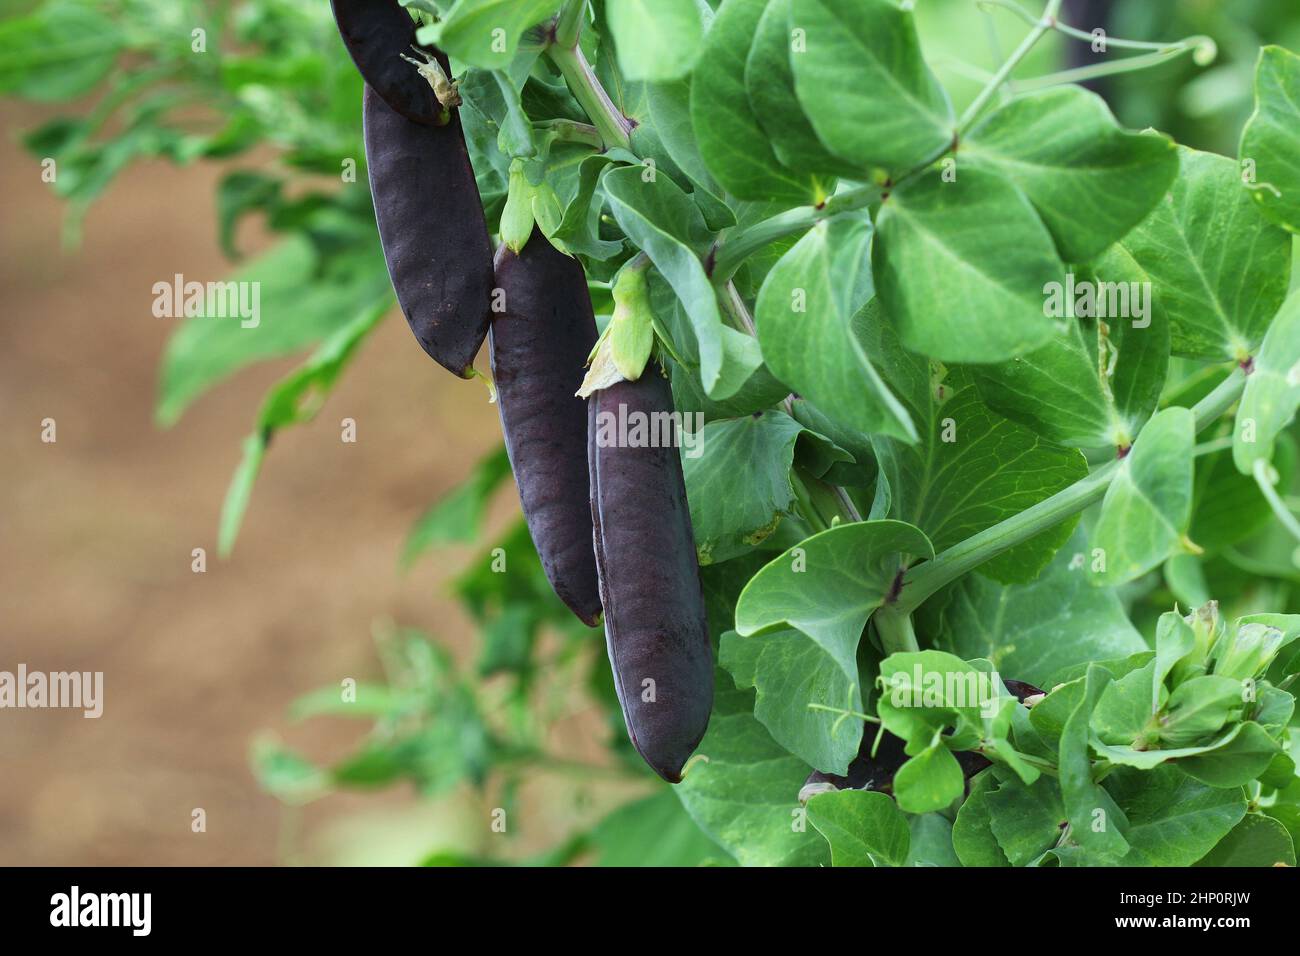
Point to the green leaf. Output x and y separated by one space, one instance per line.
930 781
804 313
302 299
972 833
240 193
861 472
924 693
369 701
1093 385
739 484
294 399
828 585
485 33
931 842
1025 819
1234 758
769 80
1173 820
665 224
972 468
668 107
1289 816
745 797
285 774
458 517
1124 712
1272 391
1095 823
652 831
495 95
863 828
579 228
1032 631
865 86
655 39
1219 270
1228 506
1257 840
1089 180
727 131
1240 759
1271 139
45 59
789 671
1148 505
961 267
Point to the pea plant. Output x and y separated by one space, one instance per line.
971 540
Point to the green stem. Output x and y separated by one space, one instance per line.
847 507
736 249
614 127
1096 71
991 88
1213 445
894 626
1265 477
925 579
866 718
568 25
1198 42
570 131
1046 766
734 306
807 508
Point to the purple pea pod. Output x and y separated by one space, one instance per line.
377 34
656 630
539 345
432 228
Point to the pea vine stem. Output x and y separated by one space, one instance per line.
732 253
894 626
568 25
1046 23
615 128
922 581
1198 42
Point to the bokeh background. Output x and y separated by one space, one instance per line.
97 529
96 533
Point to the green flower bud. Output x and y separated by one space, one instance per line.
1208 627
1248 653
624 348
517 216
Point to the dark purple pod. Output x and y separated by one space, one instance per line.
377 33
433 231
539 345
656 630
